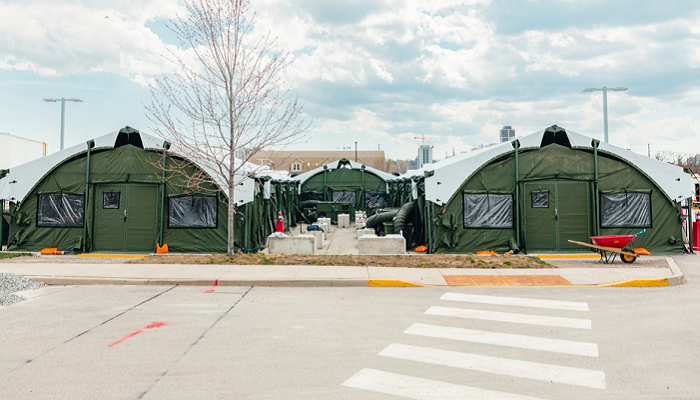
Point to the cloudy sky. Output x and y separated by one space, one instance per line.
380 72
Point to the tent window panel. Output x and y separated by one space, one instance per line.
192 212
312 196
376 199
60 210
625 210
540 199
110 200
488 211
344 197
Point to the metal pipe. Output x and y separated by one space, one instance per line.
596 197
690 225
86 201
63 120
166 146
516 146
605 112
355 151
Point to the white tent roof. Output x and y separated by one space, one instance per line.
334 165
452 172
23 178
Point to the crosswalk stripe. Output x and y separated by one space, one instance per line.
516 301
502 366
423 389
510 317
505 339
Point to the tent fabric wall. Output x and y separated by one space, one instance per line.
552 163
128 168
322 183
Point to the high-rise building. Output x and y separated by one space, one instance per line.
507 134
425 155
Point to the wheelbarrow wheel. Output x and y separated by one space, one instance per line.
628 259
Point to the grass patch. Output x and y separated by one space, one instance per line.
266 260
13 255
508 263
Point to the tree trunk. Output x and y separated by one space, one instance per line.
231 222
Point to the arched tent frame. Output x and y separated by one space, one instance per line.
17 186
442 185
343 176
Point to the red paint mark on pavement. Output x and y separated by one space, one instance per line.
151 326
125 337
211 289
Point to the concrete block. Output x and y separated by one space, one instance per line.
360 225
382 245
319 238
325 221
343 220
302 244
363 232
325 228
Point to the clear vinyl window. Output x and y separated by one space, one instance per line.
344 197
192 212
488 210
60 210
540 199
110 200
625 210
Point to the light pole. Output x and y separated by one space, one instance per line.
63 113
605 103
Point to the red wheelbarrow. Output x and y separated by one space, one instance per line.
610 246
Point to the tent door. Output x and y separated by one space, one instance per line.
555 212
125 217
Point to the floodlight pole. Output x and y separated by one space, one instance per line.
63 113
605 104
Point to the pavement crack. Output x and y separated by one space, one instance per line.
191 346
84 332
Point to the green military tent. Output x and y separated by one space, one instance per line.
113 194
538 192
346 181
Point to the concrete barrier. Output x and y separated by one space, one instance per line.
326 229
302 244
325 221
343 220
360 224
319 238
363 232
382 245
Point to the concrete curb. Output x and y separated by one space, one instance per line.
69 281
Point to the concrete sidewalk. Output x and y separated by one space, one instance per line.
309 276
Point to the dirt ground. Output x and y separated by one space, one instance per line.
411 261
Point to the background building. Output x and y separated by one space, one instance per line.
425 155
297 162
16 150
507 133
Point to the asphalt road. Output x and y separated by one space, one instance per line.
136 342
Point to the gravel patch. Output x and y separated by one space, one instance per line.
11 283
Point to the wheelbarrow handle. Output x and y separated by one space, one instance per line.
642 232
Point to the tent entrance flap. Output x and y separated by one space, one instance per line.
125 217
554 213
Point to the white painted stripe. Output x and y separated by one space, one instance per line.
510 317
505 339
423 389
495 365
516 301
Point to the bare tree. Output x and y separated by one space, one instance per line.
229 102
685 160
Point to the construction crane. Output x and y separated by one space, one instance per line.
422 138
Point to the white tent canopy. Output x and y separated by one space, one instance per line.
450 174
22 179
